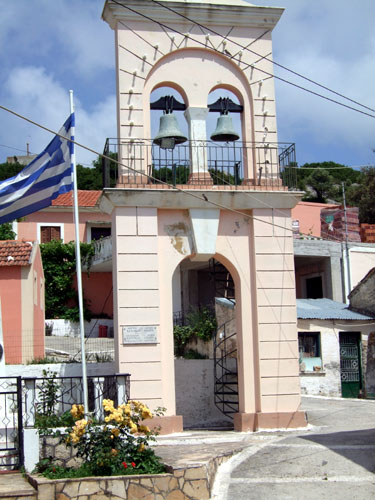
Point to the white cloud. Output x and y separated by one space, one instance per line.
34 93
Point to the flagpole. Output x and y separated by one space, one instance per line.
78 261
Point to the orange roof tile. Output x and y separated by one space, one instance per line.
15 253
85 199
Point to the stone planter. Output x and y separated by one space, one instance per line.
185 483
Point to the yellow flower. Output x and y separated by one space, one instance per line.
146 413
143 428
141 447
115 432
114 452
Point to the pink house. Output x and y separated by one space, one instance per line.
22 301
308 215
56 222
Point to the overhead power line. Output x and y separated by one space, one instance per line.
203 197
242 47
270 75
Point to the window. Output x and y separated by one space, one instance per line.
309 351
50 232
100 232
314 288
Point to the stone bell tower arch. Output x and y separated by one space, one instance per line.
201 199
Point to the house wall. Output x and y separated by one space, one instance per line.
328 382
308 215
11 310
97 291
28 229
39 310
362 259
363 298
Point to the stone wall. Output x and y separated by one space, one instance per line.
185 483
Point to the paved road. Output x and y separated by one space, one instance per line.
333 459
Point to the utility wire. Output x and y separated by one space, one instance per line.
263 57
184 191
239 60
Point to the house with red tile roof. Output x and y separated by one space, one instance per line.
22 301
57 222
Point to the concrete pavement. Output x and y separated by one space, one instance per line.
333 458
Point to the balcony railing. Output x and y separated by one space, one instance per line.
254 165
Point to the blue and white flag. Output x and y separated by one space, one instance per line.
41 181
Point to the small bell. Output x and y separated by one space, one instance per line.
169 134
224 129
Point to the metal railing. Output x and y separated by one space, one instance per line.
69 391
231 164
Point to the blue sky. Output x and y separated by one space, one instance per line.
48 47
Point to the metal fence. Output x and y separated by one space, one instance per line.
56 395
231 164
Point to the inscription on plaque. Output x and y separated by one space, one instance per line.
139 334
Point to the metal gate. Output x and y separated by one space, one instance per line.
350 364
11 426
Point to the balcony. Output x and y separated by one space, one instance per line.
200 165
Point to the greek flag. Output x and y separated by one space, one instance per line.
41 181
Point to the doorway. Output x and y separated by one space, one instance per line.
350 364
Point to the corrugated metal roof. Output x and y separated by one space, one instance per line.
326 309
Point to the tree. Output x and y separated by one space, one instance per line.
362 195
6 231
59 264
9 170
322 183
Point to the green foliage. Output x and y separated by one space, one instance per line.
322 183
6 231
59 264
362 195
192 354
326 185
10 170
201 323
182 335
119 447
46 408
165 174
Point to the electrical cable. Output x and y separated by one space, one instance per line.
186 192
263 57
239 60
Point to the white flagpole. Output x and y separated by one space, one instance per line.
78 264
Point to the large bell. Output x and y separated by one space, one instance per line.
169 132
224 130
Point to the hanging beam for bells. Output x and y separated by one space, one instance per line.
229 105
166 102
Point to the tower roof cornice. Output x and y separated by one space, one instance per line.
209 12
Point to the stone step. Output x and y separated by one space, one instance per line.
13 486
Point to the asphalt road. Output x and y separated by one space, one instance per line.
333 459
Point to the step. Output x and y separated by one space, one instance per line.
13 486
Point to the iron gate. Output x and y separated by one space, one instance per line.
11 425
350 365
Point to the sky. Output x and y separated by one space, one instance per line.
48 47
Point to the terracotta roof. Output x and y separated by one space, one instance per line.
85 199
15 253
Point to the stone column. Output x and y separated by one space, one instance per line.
196 118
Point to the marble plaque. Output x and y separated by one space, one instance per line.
146 334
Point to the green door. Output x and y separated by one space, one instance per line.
350 364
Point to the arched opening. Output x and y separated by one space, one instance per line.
205 344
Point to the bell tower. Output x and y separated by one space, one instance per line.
182 202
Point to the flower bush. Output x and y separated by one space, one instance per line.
119 446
